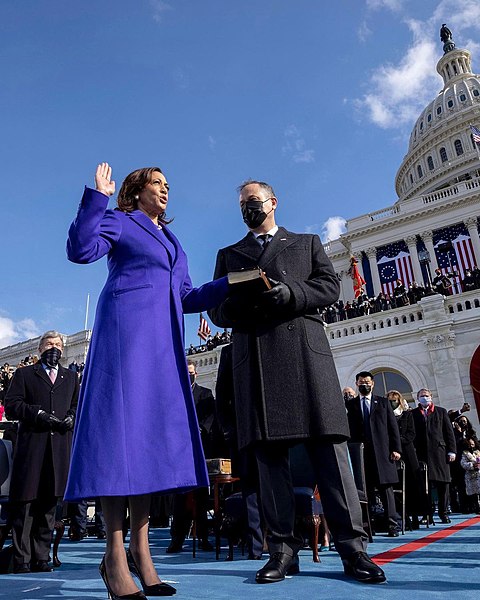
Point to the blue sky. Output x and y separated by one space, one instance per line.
318 98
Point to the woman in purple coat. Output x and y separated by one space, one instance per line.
136 431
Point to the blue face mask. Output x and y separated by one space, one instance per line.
425 400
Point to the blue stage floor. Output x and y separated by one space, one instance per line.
437 567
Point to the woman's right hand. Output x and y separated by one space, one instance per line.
103 181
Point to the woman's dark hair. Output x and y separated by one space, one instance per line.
132 185
466 443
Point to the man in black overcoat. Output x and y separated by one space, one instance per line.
43 398
435 445
286 385
372 421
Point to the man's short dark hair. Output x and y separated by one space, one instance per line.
363 374
266 187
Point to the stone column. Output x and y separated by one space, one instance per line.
372 259
411 242
471 224
427 237
439 339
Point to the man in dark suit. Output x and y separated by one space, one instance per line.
286 385
435 445
184 504
372 421
43 398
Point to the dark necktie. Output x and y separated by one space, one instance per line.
264 239
366 420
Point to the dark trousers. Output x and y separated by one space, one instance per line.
185 508
33 522
248 473
337 490
77 512
442 488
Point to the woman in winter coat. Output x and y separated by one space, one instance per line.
470 461
136 429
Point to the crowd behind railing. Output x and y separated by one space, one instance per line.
219 339
401 296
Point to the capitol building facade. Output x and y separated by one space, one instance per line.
434 343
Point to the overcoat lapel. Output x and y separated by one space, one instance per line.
60 380
149 226
280 241
40 372
248 246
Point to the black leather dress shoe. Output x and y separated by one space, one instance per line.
19 569
279 565
206 545
174 548
252 556
41 566
392 531
427 521
445 519
362 568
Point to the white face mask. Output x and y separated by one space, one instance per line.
425 400
398 411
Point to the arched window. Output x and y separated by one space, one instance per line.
419 171
439 110
429 118
462 97
458 147
443 155
386 380
411 178
476 93
430 163
450 104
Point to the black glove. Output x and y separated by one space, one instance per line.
48 420
65 425
279 295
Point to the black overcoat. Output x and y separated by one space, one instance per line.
286 385
406 427
385 434
434 439
30 391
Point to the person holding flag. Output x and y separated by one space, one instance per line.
358 280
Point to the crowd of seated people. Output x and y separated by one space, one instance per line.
219 339
401 296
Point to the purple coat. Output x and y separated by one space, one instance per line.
136 428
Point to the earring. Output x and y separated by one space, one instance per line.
137 197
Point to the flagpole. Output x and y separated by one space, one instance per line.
86 311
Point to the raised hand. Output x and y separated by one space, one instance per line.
103 179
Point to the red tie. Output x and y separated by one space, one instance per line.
52 375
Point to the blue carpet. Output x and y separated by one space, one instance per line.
448 568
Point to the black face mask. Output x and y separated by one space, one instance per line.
192 378
395 404
364 389
253 213
51 357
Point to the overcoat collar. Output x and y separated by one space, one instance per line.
141 219
250 247
40 372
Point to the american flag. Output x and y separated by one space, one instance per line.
394 263
475 134
459 258
203 330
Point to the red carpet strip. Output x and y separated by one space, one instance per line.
390 555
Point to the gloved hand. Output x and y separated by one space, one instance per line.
65 425
48 420
279 295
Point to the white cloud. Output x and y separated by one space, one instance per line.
399 92
393 5
159 8
212 142
12 332
295 146
333 228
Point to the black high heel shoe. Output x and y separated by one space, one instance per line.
136 596
157 589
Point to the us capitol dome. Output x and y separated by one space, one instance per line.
441 149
